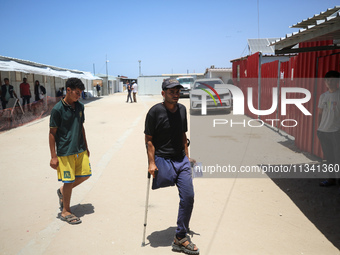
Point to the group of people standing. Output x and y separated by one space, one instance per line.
131 88
7 92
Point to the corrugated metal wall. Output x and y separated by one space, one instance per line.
300 71
269 80
245 75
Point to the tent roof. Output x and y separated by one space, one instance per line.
24 66
320 27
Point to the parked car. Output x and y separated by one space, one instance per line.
187 83
211 89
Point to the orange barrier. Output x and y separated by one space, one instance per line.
15 117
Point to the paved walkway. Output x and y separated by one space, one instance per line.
231 216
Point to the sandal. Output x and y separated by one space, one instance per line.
178 246
327 183
60 199
71 219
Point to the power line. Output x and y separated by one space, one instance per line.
258 19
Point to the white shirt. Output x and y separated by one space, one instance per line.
330 105
134 88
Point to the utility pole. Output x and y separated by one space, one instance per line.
140 67
107 76
258 19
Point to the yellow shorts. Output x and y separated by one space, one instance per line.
73 166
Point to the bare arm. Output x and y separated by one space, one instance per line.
150 150
54 159
186 149
87 148
319 116
185 144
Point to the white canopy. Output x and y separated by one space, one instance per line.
10 65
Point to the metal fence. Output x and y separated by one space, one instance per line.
20 115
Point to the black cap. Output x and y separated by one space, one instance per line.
170 83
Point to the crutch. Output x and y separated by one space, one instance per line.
146 207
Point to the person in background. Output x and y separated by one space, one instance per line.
7 92
39 91
60 92
25 93
329 125
98 89
134 91
128 87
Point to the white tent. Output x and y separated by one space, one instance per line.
17 65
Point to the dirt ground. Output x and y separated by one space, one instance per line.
231 215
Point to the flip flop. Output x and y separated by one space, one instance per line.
71 219
60 199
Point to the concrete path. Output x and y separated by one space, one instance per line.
231 216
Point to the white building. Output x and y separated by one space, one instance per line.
225 74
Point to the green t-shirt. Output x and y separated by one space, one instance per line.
7 95
69 137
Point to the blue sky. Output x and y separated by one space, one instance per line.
167 36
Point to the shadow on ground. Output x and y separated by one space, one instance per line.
320 205
165 237
162 238
81 210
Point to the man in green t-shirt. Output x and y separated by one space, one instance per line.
68 146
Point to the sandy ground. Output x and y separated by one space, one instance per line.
231 215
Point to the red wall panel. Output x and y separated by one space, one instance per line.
299 71
269 80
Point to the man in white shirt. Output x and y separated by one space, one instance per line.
134 91
329 125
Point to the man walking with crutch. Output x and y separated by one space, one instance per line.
168 157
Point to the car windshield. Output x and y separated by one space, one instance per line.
200 85
185 80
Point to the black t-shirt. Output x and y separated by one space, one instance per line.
166 129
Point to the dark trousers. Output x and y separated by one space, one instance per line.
3 104
330 144
129 96
171 172
25 99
